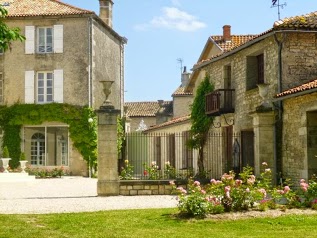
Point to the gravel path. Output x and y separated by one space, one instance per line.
69 194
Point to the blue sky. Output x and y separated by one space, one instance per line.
161 31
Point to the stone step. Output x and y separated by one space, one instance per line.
16 177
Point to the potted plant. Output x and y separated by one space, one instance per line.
23 162
5 159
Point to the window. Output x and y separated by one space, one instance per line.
45 39
44 87
1 88
255 71
38 149
227 77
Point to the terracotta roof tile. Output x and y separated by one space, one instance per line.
301 88
180 91
23 8
171 122
147 109
307 22
304 22
236 40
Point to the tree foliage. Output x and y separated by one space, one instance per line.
200 121
7 34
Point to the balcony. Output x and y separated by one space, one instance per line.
220 102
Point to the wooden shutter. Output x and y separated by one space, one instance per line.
29 41
58 85
58 38
29 87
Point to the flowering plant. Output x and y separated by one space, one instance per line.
169 171
126 171
152 171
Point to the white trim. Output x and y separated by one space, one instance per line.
29 87
29 41
58 86
58 38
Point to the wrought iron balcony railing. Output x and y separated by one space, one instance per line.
220 102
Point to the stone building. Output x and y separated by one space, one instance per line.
143 115
66 53
247 73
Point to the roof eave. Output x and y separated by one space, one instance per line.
297 94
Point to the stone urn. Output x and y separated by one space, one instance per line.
263 92
5 164
23 165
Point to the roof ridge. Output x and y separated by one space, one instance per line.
72 6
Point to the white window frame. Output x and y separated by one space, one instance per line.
45 86
46 46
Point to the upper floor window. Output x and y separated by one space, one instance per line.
227 77
45 39
255 71
44 87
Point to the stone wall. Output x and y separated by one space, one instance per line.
295 135
181 105
145 187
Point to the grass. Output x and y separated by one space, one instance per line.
151 223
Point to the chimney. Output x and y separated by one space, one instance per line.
226 33
105 12
185 77
160 102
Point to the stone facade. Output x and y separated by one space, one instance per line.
299 136
89 51
298 65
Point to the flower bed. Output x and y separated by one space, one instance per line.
243 193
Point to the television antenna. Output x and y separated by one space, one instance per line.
276 3
180 61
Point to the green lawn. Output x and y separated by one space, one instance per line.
151 223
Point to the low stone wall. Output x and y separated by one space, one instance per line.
145 187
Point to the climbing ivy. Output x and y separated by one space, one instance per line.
200 122
81 120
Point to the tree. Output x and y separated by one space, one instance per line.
200 122
7 34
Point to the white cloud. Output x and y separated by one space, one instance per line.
173 18
176 2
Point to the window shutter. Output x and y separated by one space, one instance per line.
29 87
58 38
58 85
29 41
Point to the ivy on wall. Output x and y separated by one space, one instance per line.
81 120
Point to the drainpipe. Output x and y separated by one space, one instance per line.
124 41
90 62
277 132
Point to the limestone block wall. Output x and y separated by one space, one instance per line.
181 105
106 65
145 187
299 59
295 142
73 61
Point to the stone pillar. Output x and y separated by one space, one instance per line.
108 179
263 124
